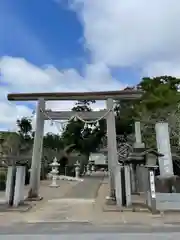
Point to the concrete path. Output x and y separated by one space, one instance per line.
40 207
83 203
77 204
88 189
76 229
55 233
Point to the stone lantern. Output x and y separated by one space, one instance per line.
93 167
151 157
77 169
88 169
54 172
141 159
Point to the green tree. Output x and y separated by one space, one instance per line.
25 128
83 106
25 132
53 141
84 138
124 110
159 92
159 102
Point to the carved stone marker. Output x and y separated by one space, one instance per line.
163 145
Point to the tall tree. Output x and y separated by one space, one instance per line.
53 141
25 128
83 106
25 132
86 139
159 92
159 102
124 110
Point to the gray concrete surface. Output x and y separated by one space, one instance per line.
78 203
87 189
83 228
86 231
102 236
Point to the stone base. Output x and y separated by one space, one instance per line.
110 198
33 199
54 186
167 178
110 201
139 145
22 207
115 208
68 178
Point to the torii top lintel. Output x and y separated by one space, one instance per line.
53 96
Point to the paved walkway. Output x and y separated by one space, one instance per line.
88 189
83 202
77 204
46 192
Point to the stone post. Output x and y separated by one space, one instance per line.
23 184
138 138
133 179
163 146
112 146
8 183
118 189
151 192
19 185
138 146
127 185
37 152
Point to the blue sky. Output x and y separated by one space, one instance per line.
51 34
48 35
83 45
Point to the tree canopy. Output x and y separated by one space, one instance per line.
160 96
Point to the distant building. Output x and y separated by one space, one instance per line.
98 159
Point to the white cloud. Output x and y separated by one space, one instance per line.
131 33
143 34
162 68
18 75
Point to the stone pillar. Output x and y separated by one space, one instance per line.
8 183
145 180
23 183
163 146
138 138
118 189
127 185
140 178
37 152
19 185
112 145
138 146
133 179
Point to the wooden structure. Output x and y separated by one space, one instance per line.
43 114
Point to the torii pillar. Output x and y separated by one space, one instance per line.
112 145
37 152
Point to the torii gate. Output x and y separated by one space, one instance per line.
42 114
